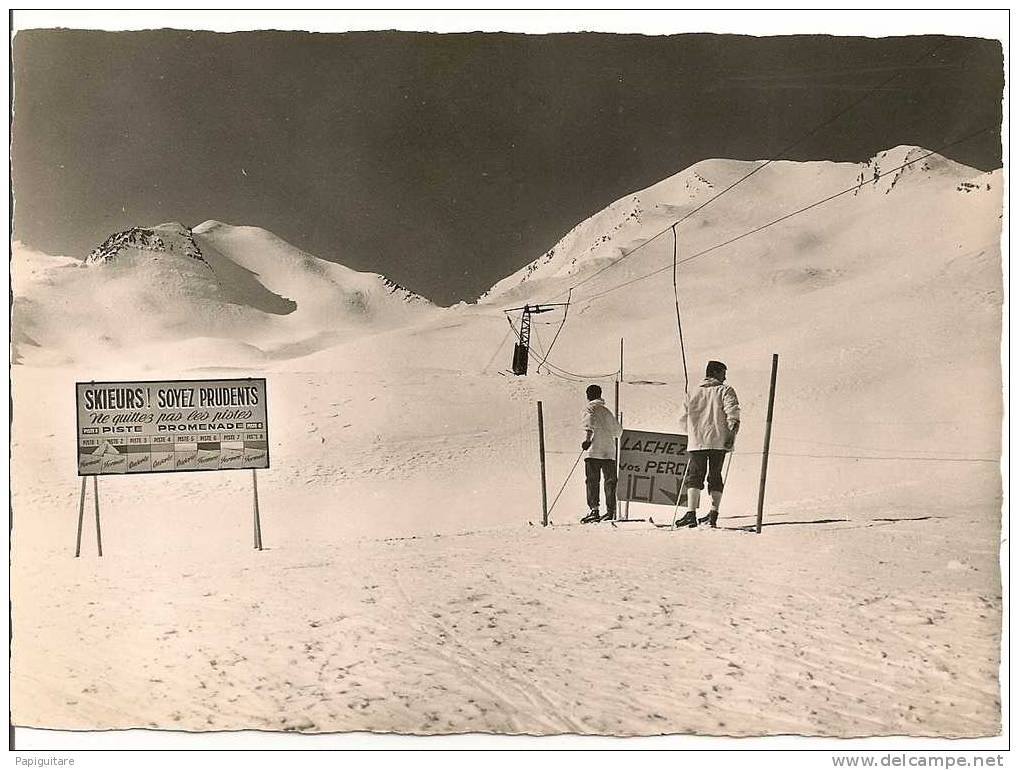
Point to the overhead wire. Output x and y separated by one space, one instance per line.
573 376
676 262
497 351
536 344
566 311
768 162
558 370
756 169
904 458
540 344
779 437
549 368
578 377
789 215
890 457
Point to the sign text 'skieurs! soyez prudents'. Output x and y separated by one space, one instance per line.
102 399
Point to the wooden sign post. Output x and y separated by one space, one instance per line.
258 521
767 443
99 532
626 503
541 454
165 426
81 516
619 377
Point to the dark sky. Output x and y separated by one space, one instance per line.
445 161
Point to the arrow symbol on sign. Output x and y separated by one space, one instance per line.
679 490
106 448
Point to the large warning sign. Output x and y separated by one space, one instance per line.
176 425
651 467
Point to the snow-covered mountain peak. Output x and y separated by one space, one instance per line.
890 167
250 240
167 238
176 284
766 190
208 225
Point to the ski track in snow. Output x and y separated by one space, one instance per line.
388 601
526 631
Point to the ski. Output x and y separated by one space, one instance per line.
660 526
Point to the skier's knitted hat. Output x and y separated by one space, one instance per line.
714 367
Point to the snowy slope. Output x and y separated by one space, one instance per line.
403 588
239 293
776 189
884 304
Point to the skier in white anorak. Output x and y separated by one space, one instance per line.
712 421
601 431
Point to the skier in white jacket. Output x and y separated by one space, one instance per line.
712 421
601 429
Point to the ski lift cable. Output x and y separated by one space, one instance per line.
553 369
577 377
910 458
827 122
497 351
791 214
768 162
507 311
566 311
794 439
558 370
548 370
533 357
753 231
537 344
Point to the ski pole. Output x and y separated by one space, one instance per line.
725 478
568 475
679 494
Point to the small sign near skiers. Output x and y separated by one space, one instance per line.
652 467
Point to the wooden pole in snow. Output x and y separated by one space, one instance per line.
81 517
541 455
99 532
626 503
767 443
619 417
257 518
619 376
